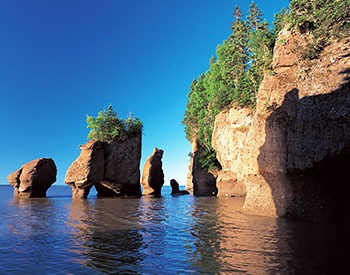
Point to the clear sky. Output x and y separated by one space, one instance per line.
63 59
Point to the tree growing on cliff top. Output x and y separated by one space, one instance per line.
108 127
233 77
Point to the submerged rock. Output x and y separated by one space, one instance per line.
152 179
175 190
34 178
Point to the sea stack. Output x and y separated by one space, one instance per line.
121 175
34 178
152 175
175 190
112 167
86 170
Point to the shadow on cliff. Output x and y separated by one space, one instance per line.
306 155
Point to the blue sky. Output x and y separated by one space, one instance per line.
61 60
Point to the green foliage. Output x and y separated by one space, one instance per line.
108 127
326 19
208 160
281 19
235 74
233 77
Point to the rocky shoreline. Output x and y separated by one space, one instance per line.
287 157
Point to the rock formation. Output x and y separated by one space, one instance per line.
230 131
293 151
86 170
175 190
113 168
34 178
122 168
199 181
152 175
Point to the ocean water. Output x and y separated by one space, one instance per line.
167 235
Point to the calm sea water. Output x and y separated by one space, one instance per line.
167 235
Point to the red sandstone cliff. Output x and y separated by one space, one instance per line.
291 153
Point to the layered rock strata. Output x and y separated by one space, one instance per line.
34 178
293 156
113 168
152 179
229 134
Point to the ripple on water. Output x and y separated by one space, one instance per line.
168 235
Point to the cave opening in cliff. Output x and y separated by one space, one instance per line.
325 188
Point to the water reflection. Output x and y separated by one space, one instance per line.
188 235
105 236
34 230
204 256
262 245
247 243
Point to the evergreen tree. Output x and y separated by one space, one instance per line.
233 77
254 17
107 126
260 45
238 49
280 20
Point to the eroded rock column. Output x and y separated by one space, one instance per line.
152 175
86 170
34 178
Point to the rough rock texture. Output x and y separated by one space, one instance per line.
86 170
293 158
113 168
175 189
200 182
152 179
229 186
34 178
122 168
230 131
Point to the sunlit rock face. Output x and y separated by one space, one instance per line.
230 132
86 170
34 178
292 157
113 168
152 179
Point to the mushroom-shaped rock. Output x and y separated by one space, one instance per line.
152 175
86 170
175 190
34 178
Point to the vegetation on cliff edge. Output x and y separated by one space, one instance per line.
237 69
233 77
108 127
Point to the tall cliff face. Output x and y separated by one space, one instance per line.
293 155
230 132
